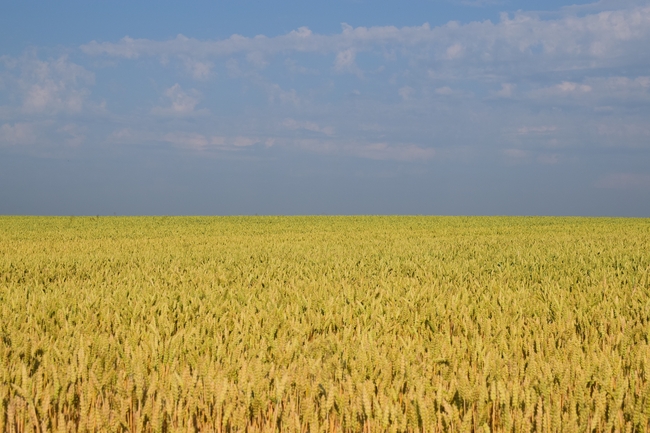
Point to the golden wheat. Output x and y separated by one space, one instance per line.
323 324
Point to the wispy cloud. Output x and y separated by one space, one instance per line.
17 134
181 103
185 140
47 86
531 83
345 62
294 125
199 70
597 40
406 92
625 181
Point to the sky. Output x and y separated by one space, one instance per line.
435 107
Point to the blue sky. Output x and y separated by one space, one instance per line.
314 107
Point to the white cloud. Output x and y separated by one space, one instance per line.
344 59
616 90
566 90
232 66
445 90
295 68
47 86
182 103
184 139
507 90
568 87
189 140
42 136
199 70
244 141
523 42
406 92
454 51
519 82
277 93
17 134
294 125
257 59
345 62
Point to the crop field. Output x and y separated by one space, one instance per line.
323 324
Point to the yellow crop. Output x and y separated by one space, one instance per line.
310 324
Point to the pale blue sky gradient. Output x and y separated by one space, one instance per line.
337 107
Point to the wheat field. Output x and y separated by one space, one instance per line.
324 324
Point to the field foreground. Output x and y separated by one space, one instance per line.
309 324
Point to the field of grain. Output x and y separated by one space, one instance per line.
310 324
